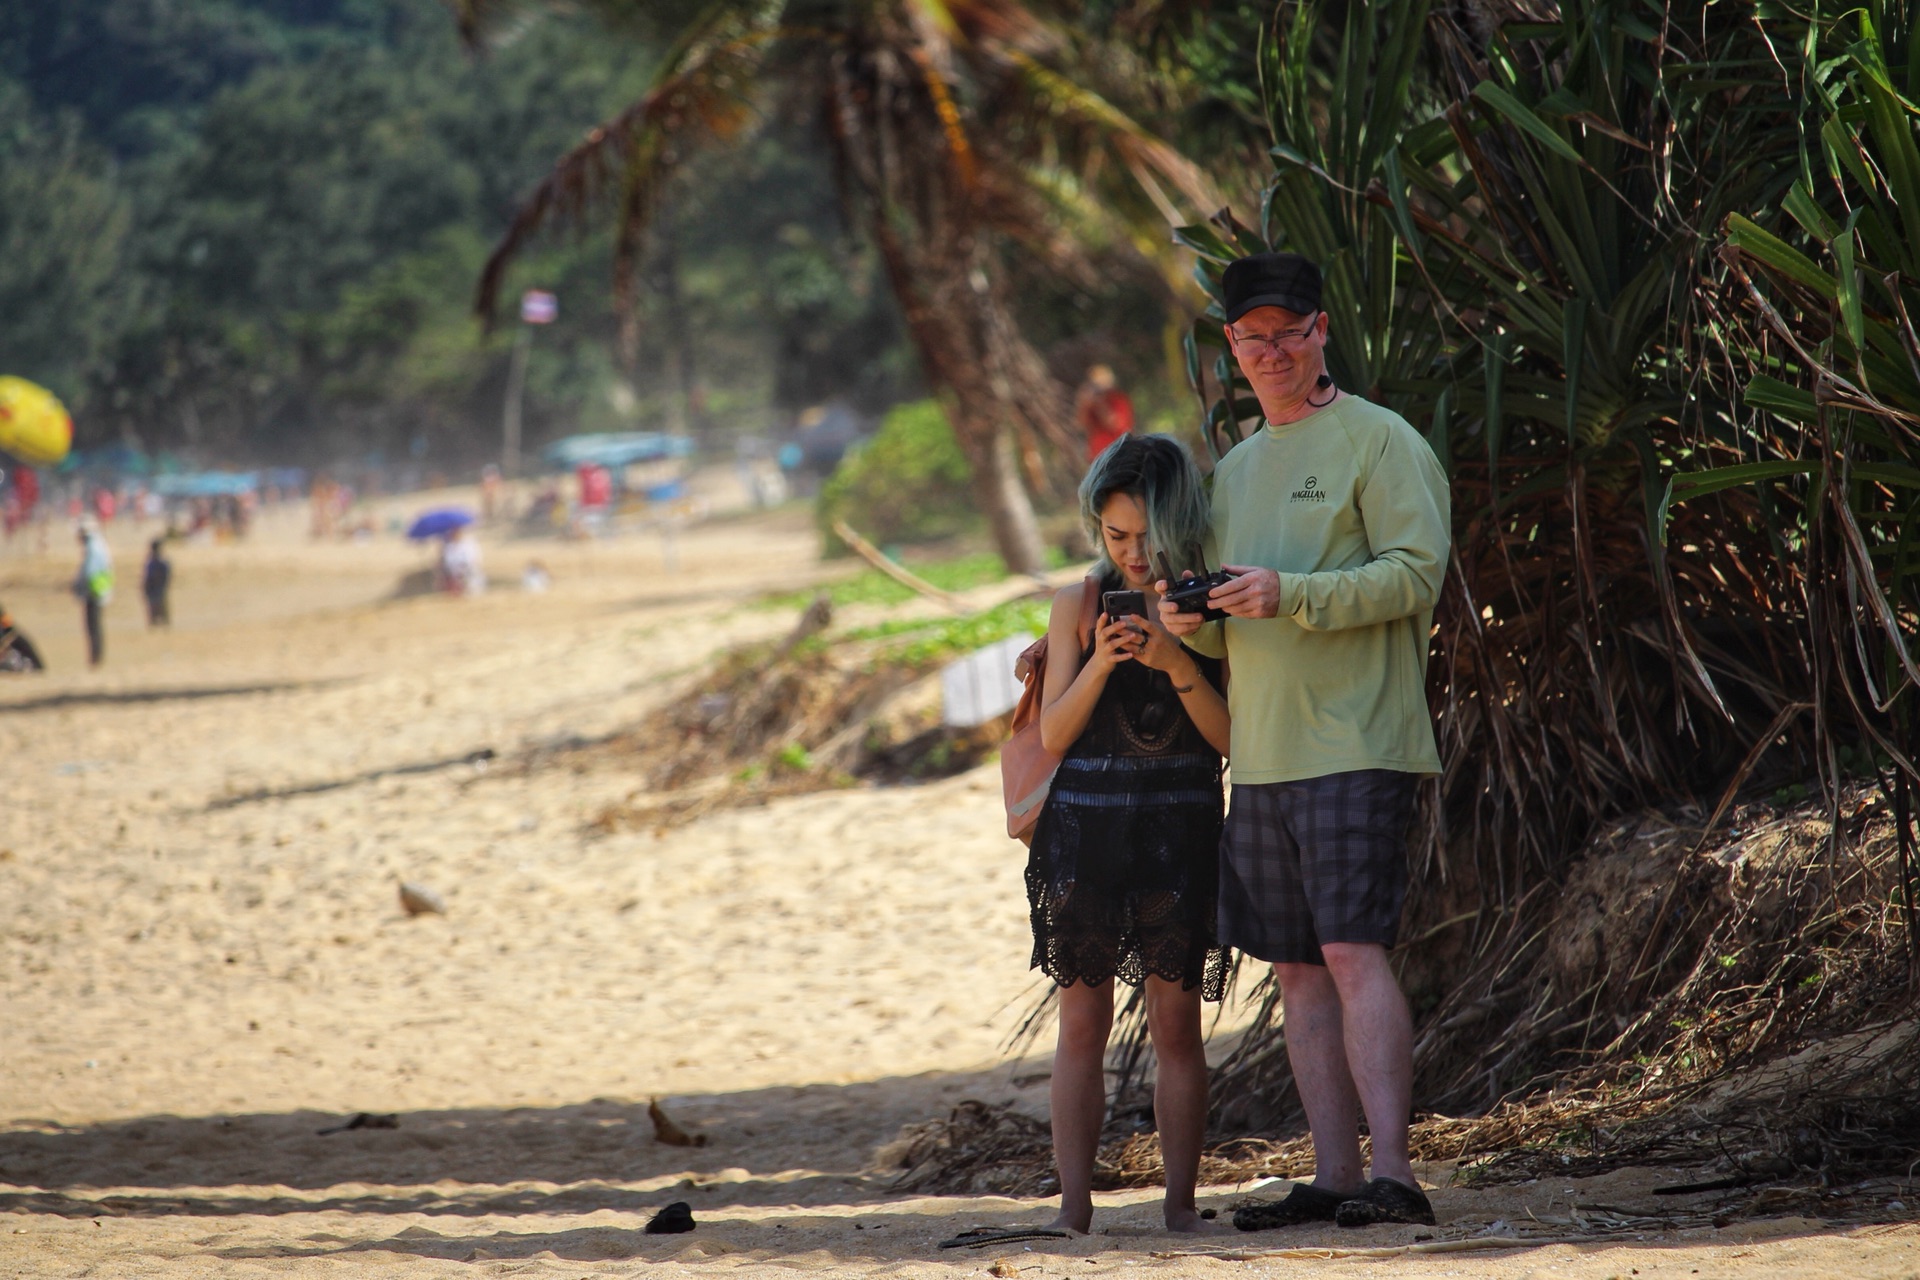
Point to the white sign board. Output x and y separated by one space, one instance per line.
537 306
981 685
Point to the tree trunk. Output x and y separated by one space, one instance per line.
683 413
998 490
990 378
944 274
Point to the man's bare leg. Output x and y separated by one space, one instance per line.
1379 1049
1179 1096
1317 1050
1078 1097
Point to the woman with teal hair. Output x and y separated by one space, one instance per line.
1123 875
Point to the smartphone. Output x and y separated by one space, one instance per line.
1121 604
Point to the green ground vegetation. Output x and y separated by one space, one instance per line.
908 483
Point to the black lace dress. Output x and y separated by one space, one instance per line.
1124 873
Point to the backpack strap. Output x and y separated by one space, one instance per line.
1089 609
1033 659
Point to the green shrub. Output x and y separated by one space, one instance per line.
955 573
908 483
926 641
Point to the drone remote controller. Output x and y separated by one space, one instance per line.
1189 595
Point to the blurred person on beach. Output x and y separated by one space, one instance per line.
155 582
460 570
321 501
16 651
93 584
489 493
1122 876
23 494
596 498
1334 521
1102 409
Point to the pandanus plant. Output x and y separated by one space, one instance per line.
956 128
1518 227
1822 292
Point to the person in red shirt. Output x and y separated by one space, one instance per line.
1102 410
596 485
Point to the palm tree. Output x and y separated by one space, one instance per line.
954 127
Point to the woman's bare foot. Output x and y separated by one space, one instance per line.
1189 1222
1076 1223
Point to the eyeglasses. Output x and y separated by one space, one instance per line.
1272 344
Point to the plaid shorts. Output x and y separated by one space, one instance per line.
1313 861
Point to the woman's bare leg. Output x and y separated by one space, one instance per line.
1179 1095
1079 1097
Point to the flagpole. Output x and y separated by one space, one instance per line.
516 385
537 306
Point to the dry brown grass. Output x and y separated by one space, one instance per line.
807 714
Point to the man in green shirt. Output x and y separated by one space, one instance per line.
1334 520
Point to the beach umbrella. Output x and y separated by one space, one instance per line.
34 427
439 522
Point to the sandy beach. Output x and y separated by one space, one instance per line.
203 959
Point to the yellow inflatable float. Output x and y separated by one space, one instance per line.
34 426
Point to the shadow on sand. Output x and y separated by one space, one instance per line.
142 697
785 1176
480 755
774 1145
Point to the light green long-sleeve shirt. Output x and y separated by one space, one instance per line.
1351 507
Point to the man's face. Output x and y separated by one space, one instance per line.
1280 351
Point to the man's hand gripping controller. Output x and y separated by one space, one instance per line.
1189 595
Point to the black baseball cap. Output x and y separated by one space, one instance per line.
1270 280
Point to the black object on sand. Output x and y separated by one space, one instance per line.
364 1120
672 1220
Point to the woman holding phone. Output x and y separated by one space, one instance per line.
1123 874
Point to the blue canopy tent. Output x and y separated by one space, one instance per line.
615 450
207 484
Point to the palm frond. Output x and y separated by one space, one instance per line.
699 94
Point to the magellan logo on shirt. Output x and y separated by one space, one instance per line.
1309 492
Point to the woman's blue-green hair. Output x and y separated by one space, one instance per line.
1160 472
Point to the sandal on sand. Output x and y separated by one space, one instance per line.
1305 1203
976 1237
1385 1200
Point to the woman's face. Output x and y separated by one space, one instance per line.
1123 529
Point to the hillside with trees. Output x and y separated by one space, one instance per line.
253 228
